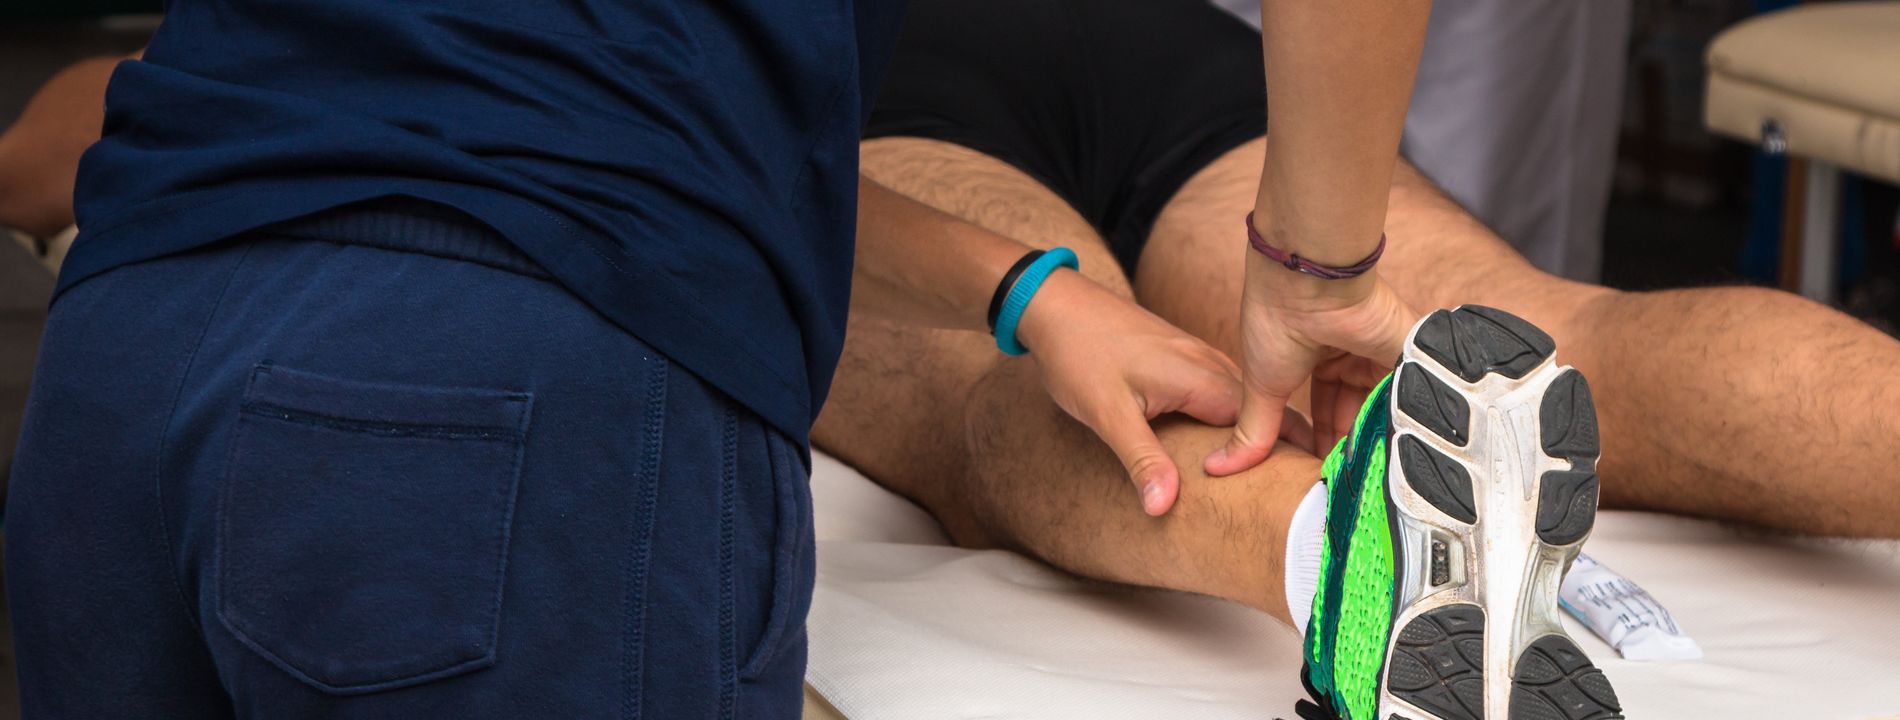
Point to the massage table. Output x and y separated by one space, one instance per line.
907 627
1820 83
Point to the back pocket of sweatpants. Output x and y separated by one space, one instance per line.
363 527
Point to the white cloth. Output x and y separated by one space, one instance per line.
1515 113
906 628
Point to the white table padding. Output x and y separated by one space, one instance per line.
906 627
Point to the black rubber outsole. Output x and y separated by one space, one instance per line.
1569 417
1437 407
1555 681
1438 663
1474 340
1442 481
1566 506
1567 502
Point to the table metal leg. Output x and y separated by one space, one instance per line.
1820 236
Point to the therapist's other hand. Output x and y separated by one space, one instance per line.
1114 366
1344 335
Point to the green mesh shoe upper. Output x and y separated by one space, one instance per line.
1352 607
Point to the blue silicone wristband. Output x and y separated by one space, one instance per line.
1025 288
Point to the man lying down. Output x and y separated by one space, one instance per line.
1130 131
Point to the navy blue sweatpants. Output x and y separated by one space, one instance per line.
285 478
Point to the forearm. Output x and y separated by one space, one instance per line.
921 266
1339 73
39 153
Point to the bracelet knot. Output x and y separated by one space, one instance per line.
1292 261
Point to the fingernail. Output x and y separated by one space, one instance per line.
1151 498
1219 456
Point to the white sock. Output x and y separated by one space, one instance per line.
1305 539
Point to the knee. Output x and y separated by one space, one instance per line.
1001 404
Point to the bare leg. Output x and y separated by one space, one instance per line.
1735 403
1043 485
946 420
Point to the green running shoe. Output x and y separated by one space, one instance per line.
1453 510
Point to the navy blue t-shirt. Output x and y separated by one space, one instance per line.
686 168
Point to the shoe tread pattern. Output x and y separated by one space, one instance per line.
1434 405
1436 477
1566 506
1474 340
1555 681
1438 663
1569 418
1567 499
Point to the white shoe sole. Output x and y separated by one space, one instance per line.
1492 489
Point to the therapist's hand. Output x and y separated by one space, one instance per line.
1344 335
1114 366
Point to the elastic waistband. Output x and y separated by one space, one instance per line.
410 225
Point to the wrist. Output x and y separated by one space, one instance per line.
1271 281
1022 294
1057 299
1282 271
1001 295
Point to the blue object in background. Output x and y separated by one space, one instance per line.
1853 231
1763 249
1762 253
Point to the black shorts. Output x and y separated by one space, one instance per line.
1113 104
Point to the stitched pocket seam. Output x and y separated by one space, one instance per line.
381 428
639 551
728 500
786 556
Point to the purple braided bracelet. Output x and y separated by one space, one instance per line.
1296 263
